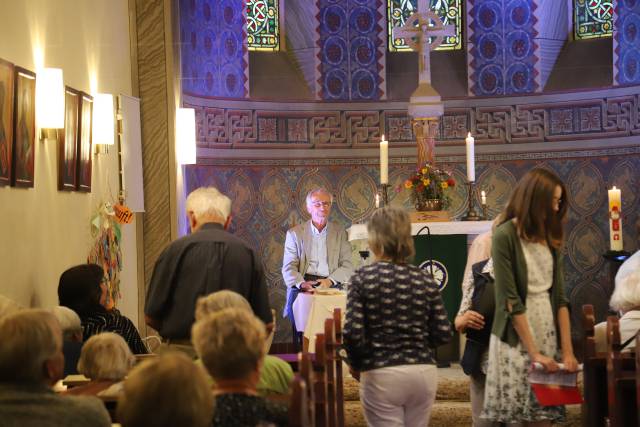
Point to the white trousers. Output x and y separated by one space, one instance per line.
399 395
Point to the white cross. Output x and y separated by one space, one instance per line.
429 25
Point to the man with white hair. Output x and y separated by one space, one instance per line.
316 252
31 361
71 337
206 261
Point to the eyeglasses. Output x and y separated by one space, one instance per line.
320 204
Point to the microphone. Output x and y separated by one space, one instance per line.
429 248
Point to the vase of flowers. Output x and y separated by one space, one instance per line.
429 187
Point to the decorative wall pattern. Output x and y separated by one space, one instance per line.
502 56
268 198
591 117
214 50
626 43
350 50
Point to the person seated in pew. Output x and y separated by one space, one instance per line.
626 300
230 343
71 337
395 320
82 289
105 360
31 361
276 374
166 391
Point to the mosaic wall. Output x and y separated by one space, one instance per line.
526 120
214 48
502 56
268 198
626 44
350 50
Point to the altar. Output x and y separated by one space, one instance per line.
441 248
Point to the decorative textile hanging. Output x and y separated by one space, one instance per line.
106 250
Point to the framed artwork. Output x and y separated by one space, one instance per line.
24 127
84 142
6 121
68 142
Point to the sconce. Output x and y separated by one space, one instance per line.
49 102
186 136
103 122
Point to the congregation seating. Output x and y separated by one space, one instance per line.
610 379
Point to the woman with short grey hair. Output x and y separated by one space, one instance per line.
395 319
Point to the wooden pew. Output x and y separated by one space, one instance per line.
337 321
621 379
330 370
320 383
638 376
308 375
594 408
299 404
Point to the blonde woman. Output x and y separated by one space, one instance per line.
395 319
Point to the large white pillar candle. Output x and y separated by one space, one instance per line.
471 161
483 197
384 161
615 219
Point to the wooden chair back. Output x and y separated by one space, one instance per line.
320 384
308 375
330 369
594 408
299 405
337 326
621 379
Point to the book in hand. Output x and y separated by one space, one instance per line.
555 388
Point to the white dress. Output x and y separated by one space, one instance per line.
508 395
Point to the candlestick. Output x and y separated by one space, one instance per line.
483 198
384 161
615 219
471 161
471 214
385 194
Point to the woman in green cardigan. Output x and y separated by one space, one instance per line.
531 308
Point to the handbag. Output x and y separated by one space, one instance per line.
482 301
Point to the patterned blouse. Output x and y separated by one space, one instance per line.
395 316
113 321
243 410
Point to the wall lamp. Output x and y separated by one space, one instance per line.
186 136
49 102
103 131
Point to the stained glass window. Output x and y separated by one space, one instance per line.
450 11
263 25
592 18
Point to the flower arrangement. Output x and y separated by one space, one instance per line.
429 188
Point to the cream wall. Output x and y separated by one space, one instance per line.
42 230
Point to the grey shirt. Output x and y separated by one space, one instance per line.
35 405
206 261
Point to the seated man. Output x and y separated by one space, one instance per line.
626 300
231 346
316 252
166 391
71 337
276 374
31 361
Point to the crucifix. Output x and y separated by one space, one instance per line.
424 31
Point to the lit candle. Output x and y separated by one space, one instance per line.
483 197
377 200
471 162
384 161
615 219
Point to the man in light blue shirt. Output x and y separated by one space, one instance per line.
316 252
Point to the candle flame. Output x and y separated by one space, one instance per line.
483 194
468 134
614 188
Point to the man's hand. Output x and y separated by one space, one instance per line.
307 286
325 283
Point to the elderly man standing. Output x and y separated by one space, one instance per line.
316 252
31 361
206 261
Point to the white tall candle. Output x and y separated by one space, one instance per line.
615 219
384 161
377 200
483 197
471 161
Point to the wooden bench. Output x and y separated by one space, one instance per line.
621 379
594 408
299 404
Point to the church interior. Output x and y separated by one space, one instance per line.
291 95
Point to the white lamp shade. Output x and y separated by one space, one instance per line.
50 99
186 136
103 119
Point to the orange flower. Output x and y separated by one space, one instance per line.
444 185
408 184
